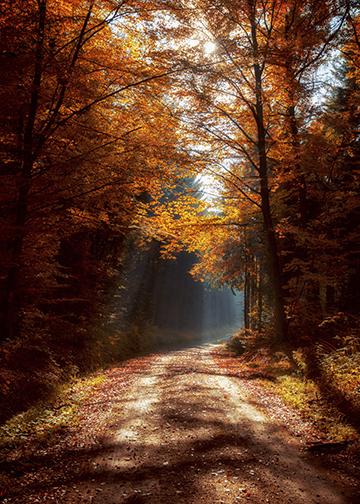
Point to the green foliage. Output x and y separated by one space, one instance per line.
305 395
47 417
319 399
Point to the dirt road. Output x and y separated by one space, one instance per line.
183 431
186 433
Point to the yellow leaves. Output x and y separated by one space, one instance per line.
186 223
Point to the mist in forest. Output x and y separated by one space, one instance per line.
162 295
180 304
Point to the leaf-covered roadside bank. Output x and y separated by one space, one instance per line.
42 443
288 396
45 420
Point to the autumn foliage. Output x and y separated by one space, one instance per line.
202 125
281 153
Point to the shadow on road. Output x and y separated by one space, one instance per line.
182 433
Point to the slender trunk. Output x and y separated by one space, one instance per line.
291 84
253 296
295 144
300 184
246 296
11 298
260 297
270 237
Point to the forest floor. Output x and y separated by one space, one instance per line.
179 427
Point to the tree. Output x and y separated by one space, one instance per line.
75 126
233 97
249 113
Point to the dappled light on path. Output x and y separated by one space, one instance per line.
184 431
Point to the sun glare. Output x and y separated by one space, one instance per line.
193 42
209 48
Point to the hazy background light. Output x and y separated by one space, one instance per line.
193 42
209 47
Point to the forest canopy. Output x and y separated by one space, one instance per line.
226 129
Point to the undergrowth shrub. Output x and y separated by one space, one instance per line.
28 371
236 344
332 364
246 339
33 367
340 370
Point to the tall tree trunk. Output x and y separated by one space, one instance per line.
11 298
295 145
253 295
270 237
260 296
246 295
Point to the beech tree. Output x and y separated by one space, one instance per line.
80 125
234 103
250 109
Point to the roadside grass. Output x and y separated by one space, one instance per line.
304 395
290 379
46 418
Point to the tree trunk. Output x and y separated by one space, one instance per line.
246 295
253 296
270 237
260 297
11 297
295 144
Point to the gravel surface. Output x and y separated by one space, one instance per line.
179 428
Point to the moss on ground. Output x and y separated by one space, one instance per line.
304 395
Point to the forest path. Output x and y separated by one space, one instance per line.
176 428
186 432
